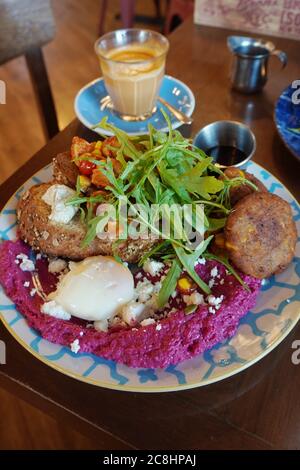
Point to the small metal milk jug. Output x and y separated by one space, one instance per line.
250 62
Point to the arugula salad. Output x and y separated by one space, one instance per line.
164 169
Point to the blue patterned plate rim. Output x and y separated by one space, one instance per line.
290 139
142 388
133 128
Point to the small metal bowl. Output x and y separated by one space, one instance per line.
230 143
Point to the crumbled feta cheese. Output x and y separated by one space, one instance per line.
214 272
131 312
158 327
81 333
147 321
32 292
75 346
26 263
38 256
55 310
157 287
57 265
56 197
17 261
200 261
143 304
101 325
144 290
139 275
215 301
211 310
152 267
194 299
26 284
211 283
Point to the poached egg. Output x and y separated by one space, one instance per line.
95 289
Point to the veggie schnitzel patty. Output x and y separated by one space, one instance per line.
242 190
260 234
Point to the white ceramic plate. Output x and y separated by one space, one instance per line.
261 330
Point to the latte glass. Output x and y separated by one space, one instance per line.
133 66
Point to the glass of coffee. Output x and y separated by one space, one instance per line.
133 65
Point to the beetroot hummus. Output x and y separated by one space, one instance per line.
174 337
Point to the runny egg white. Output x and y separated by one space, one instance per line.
95 289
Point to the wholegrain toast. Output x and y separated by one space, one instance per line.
65 240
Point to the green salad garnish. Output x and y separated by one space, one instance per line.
164 170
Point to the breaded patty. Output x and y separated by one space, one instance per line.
260 234
242 190
64 170
64 240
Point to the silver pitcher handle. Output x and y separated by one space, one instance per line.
282 56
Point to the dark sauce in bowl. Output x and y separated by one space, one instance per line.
226 155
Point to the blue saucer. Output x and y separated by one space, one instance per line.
287 117
87 107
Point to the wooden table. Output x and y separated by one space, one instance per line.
258 408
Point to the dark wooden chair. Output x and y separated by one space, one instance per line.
26 26
177 12
127 14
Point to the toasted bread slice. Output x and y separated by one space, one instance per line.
65 240
64 170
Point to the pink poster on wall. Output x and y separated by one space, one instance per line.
274 17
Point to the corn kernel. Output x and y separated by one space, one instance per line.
184 284
84 183
98 144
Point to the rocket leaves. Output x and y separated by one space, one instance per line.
165 169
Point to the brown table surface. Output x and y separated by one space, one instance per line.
258 408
